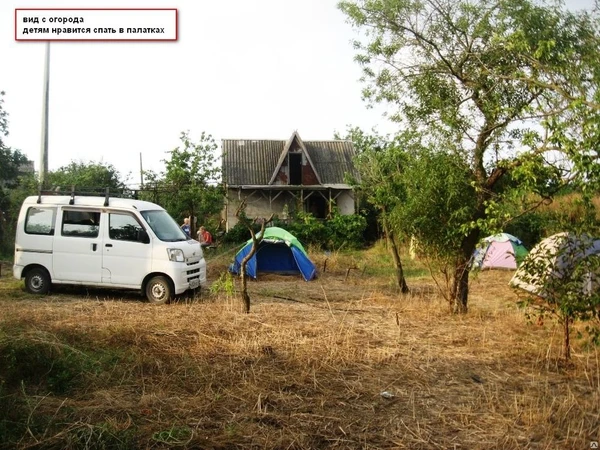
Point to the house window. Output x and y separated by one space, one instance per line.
295 168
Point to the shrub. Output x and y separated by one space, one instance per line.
309 230
239 234
339 231
347 231
531 228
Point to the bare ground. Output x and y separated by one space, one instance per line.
339 362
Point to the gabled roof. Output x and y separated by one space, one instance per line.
294 137
255 162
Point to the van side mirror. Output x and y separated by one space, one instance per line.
142 236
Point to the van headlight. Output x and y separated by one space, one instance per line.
176 254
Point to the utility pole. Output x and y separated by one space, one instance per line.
141 173
44 147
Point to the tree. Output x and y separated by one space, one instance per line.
380 163
191 180
14 184
11 163
10 160
3 120
438 201
256 240
90 177
506 86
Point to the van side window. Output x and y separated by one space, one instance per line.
40 221
123 227
81 223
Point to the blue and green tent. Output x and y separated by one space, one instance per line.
278 252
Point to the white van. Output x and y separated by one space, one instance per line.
105 242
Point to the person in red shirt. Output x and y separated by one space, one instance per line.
204 237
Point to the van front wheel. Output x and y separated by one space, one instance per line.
37 281
159 290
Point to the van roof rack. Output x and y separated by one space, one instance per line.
89 192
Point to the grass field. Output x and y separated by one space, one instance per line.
340 362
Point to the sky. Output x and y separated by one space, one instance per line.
247 69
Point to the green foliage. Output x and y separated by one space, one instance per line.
14 187
11 162
10 205
224 284
440 200
339 231
3 120
90 177
239 233
190 185
380 163
308 229
531 228
509 88
173 436
346 231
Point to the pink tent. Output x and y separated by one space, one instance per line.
499 256
501 251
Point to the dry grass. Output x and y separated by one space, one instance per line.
569 205
307 367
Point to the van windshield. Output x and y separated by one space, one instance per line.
164 226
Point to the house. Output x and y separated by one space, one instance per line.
280 177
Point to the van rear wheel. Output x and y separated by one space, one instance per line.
37 281
159 290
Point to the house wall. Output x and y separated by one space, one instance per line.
258 204
345 203
308 176
283 175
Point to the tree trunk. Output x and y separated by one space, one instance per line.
255 242
459 295
567 343
460 288
400 279
192 223
245 295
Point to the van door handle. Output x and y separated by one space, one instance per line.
108 245
94 246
